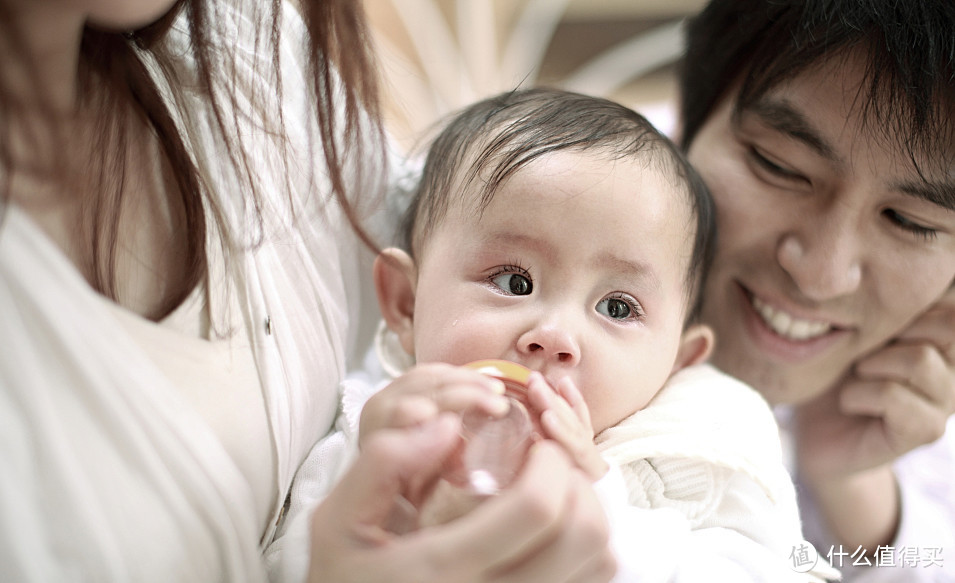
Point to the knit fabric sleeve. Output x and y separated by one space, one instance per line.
707 449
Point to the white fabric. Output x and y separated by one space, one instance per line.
926 478
704 415
287 558
108 473
706 450
215 374
697 492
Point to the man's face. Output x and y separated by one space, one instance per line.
829 240
576 269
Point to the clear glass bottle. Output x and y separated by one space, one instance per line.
488 458
493 449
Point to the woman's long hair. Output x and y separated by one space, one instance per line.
341 73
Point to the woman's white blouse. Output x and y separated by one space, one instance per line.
112 468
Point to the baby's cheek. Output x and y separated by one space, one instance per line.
604 412
616 400
458 342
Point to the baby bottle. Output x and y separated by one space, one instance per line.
492 448
489 456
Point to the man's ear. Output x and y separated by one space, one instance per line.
395 281
696 344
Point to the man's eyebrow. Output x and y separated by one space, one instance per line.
783 117
780 115
941 194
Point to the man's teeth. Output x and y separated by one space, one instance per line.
788 327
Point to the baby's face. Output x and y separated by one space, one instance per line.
575 269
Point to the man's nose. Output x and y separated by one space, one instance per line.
823 256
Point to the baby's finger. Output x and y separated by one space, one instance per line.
543 398
540 395
577 441
559 430
567 389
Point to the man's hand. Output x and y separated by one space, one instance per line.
893 400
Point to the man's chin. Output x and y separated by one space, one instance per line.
778 384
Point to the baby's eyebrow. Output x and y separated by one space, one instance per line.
520 240
628 268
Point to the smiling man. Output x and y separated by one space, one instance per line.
824 131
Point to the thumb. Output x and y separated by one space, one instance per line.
393 462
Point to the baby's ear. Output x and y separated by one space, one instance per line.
696 344
395 278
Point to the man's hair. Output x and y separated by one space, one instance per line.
493 139
909 48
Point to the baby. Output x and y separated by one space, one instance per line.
561 232
564 233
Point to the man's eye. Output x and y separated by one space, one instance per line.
513 283
920 232
767 165
619 308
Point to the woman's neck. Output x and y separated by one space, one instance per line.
60 177
42 64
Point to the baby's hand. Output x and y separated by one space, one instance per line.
565 418
427 390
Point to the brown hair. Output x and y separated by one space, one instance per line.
341 73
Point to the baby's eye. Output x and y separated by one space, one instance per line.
513 283
619 307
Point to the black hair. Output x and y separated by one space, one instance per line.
909 48
500 135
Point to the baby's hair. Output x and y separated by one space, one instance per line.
492 139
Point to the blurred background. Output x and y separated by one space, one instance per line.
439 55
